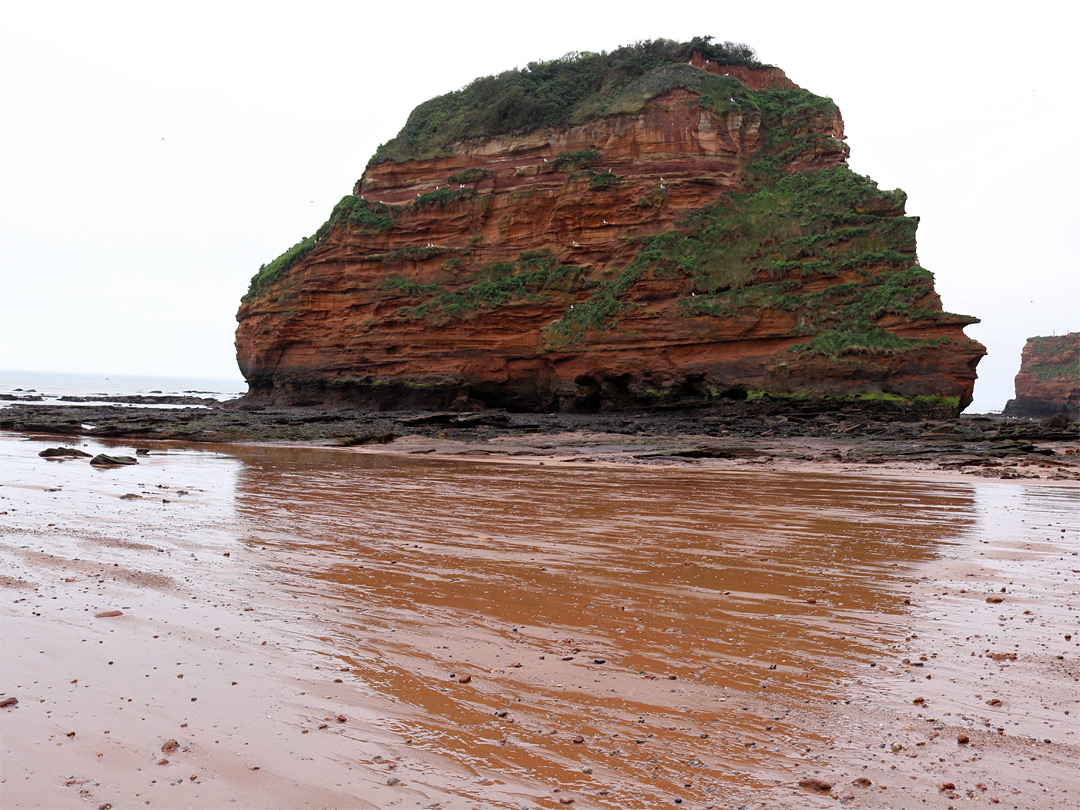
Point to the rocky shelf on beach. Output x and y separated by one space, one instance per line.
981 445
123 399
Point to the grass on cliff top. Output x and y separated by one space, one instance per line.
1055 344
552 94
750 252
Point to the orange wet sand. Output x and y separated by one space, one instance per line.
713 637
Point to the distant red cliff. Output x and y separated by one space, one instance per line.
1048 382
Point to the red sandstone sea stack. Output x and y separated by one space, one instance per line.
1048 382
670 223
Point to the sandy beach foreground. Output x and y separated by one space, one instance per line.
259 626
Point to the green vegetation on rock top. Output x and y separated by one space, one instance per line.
557 93
1053 344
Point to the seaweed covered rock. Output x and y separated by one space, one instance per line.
104 460
665 224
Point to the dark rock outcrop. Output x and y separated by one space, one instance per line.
63 452
103 460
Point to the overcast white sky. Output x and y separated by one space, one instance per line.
153 155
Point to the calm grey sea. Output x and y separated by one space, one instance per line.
51 385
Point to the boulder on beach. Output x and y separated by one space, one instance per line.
63 452
103 460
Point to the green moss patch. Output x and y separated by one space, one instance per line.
574 161
532 278
443 197
469 176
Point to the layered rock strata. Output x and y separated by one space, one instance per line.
1048 382
695 234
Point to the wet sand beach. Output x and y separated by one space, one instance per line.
351 627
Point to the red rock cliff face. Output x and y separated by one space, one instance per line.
1048 382
603 265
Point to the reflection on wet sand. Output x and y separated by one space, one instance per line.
668 622
325 628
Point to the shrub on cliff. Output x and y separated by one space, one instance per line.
356 211
272 271
360 213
